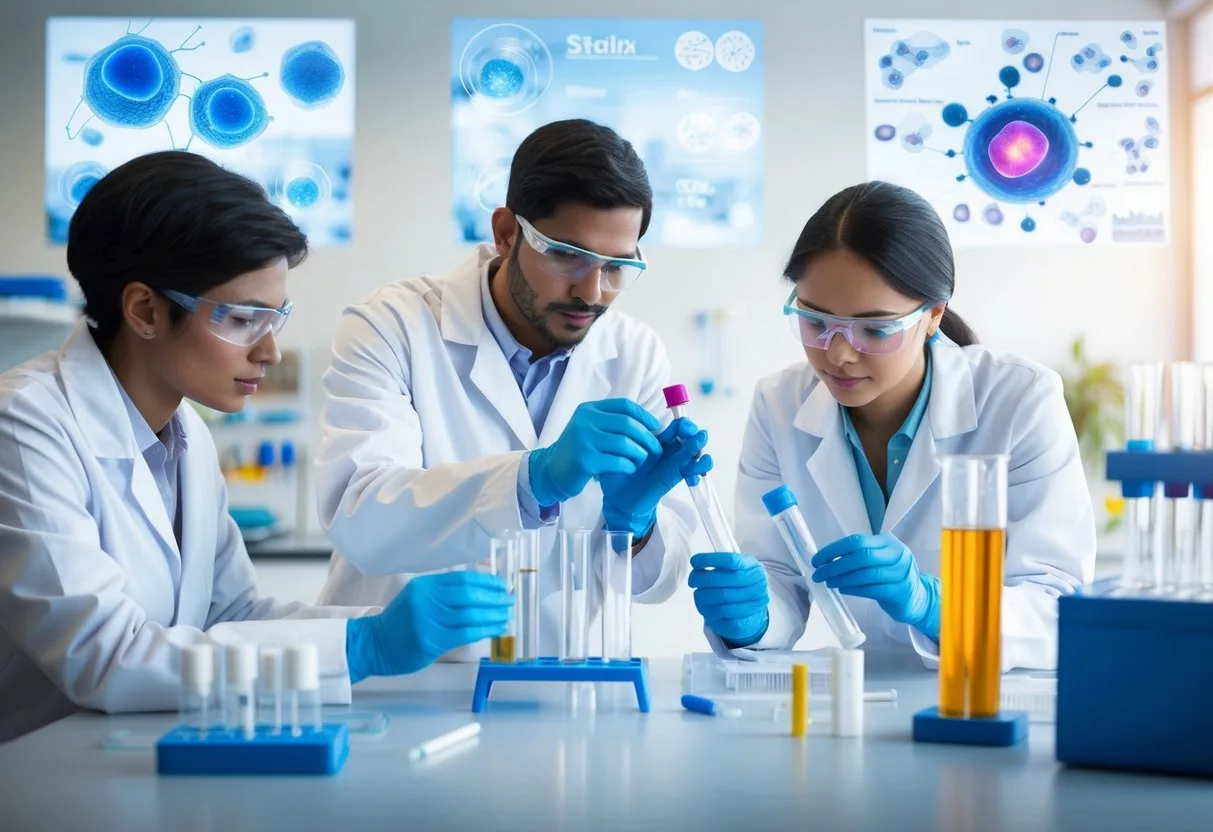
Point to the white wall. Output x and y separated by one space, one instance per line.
1127 301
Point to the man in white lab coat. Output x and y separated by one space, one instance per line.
509 395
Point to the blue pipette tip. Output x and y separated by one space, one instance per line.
778 499
703 705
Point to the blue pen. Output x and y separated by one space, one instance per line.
703 705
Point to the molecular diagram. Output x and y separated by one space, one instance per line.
921 50
1023 150
311 74
1137 159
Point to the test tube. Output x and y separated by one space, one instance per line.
785 513
241 678
197 684
617 595
272 682
1180 566
503 561
575 579
974 495
528 594
703 494
1142 410
1205 490
303 680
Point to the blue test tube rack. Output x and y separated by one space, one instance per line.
186 750
559 670
1133 678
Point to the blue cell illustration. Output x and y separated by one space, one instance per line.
1028 224
501 78
302 185
885 61
955 115
961 213
78 180
922 50
1033 62
885 132
1014 41
1143 88
992 214
311 74
1022 150
1009 76
1090 59
133 82
505 68
92 136
243 39
1115 81
1128 39
1082 176
228 112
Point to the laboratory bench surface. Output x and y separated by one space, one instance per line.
545 760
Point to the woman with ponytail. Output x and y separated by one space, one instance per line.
894 379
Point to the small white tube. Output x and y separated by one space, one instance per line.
273 682
785 513
847 700
241 665
303 680
197 682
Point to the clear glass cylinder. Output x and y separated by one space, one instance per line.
575 582
305 712
196 704
974 495
616 558
528 594
1143 401
503 562
703 493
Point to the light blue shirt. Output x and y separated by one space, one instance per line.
163 456
876 497
538 380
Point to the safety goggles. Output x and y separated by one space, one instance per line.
573 263
242 326
873 336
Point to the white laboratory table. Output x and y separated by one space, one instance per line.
543 762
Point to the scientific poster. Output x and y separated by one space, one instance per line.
687 94
270 99
1025 132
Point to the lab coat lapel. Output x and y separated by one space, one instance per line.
463 322
952 410
585 378
831 465
97 405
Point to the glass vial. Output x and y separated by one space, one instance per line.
197 708
575 580
528 594
503 562
616 556
303 681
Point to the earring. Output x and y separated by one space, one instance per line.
147 333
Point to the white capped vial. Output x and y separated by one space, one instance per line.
240 685
197 687
303 682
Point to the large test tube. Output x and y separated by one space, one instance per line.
528 594
785 513
1205 490
575 581
1142 405
1180 564
711 513
503 562
974 492
616 548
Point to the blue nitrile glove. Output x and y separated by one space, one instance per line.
432 615
881 567
629 501
613 436
731 595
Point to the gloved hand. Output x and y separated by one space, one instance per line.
613 436
882 568
629 501
432 615
731 595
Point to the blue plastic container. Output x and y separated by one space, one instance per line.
185 751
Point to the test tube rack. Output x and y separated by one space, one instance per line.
187 750
1133 671
561 670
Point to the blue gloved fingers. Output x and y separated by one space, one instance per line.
886 573
464 616
677 430
630 428
473 634
691 447
696 467
627 407
727 612
717 596
727 578
857 559
623 446
838 548
887 593
469 579
722 560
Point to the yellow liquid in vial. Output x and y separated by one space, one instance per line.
970 625
503 649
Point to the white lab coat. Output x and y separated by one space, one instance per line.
981 402
89 617
425 429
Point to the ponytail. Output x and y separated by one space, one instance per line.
954 326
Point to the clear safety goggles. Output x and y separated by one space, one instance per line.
873 336
242 326
573 263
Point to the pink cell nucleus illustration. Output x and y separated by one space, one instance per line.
1018 149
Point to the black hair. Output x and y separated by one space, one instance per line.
895 230
577 161
174 221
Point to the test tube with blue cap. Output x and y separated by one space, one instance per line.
711 513
781 505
